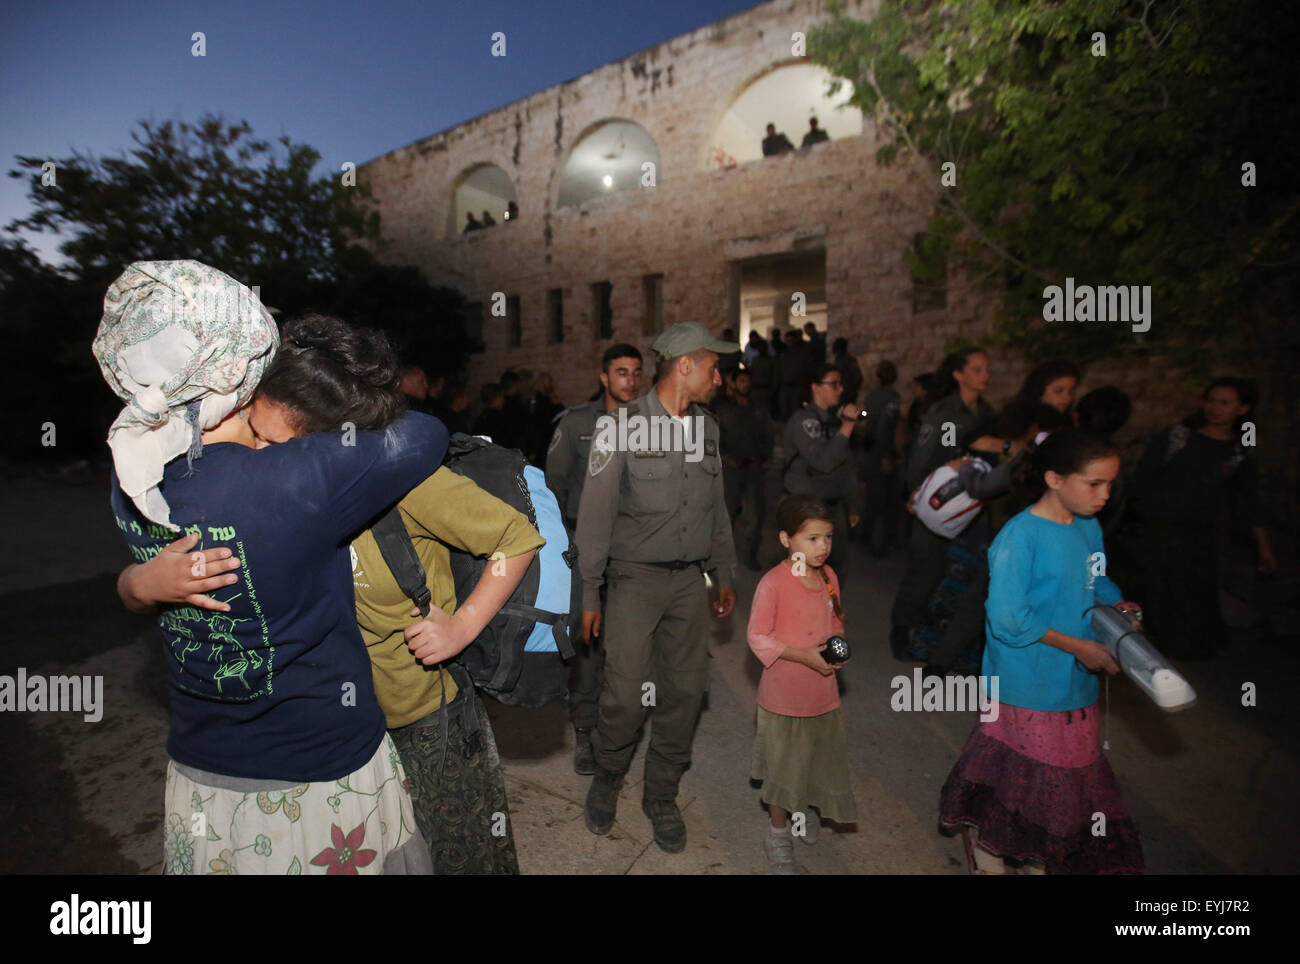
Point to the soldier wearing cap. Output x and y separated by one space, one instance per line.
652 520
566 470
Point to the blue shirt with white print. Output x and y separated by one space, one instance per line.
1043 575
279 687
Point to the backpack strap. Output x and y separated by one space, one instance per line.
508 668
554 620
399 553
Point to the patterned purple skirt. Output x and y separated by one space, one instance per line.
1033 785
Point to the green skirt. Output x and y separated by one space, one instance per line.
803 762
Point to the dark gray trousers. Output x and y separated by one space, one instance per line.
656 638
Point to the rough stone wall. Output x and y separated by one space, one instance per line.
695 222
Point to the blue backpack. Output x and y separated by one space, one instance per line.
519 657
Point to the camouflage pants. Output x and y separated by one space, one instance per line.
459 795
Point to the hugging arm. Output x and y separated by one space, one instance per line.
178 575
351 482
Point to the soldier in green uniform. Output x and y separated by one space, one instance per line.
566 469
652 520
947 427
817 457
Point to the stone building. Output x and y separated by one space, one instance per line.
643 199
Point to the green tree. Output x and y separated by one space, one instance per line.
1122 168
211 192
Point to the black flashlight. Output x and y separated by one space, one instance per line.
836 651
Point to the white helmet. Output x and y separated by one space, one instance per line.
943 504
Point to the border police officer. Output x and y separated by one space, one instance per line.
947 426
817 457
652 519
566 469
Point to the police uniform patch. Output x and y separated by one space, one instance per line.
598 459
812 427
555 440
710 447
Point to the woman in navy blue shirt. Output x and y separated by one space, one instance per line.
280 762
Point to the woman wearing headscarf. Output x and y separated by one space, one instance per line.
279 755
327 374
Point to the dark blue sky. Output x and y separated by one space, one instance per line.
352 79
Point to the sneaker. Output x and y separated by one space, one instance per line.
812 824
780 851
602 801
670 829
584 755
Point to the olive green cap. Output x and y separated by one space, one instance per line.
689 336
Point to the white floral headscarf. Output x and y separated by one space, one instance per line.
184 345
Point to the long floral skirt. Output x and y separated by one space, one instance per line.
362 823
1034 786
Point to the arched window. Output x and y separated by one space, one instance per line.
481 188
787 97
609 158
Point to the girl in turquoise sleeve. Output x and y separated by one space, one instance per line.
1026 791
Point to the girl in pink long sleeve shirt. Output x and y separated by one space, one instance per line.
800 749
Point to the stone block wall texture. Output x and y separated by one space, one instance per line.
696 222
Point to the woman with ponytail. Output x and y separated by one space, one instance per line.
947 427
1024 792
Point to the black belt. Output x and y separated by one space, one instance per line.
677 566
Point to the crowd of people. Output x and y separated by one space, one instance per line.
318 725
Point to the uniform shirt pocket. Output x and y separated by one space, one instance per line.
652 484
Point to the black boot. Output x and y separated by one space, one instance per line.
670 829
602 800
584 756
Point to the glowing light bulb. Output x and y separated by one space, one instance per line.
607 181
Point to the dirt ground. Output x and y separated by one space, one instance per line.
1213 790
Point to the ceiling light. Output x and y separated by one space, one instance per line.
607 181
